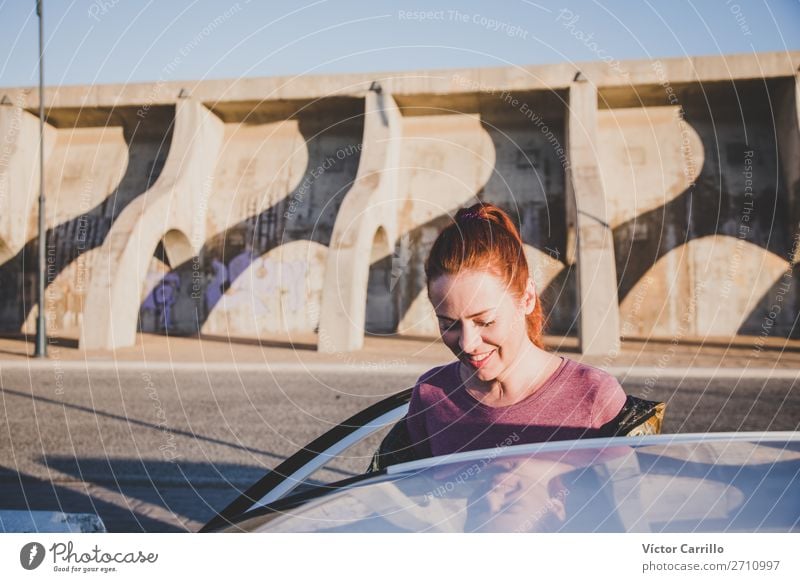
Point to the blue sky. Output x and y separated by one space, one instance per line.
119 41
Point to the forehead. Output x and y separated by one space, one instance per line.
471 291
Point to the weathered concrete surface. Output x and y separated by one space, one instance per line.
314 207
98 162
449 158
365 227
598 331
173 211
655 144
702 215
19 176
642 74
281 177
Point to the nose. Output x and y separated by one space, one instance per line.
469 339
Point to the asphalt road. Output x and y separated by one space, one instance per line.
162 450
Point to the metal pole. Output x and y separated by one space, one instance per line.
41 326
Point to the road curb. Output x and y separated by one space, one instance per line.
628 373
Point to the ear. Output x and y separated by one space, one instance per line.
529 299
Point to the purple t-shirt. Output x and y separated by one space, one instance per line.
574 402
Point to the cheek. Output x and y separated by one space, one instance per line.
506 337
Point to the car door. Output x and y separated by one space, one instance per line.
284 479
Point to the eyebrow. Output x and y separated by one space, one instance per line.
468 317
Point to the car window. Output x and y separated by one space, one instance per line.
690 487
352 461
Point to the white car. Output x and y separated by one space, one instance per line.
715 482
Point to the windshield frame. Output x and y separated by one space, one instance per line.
278 483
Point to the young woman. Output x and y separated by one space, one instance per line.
503 388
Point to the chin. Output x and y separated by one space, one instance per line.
483 374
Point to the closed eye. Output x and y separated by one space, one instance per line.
484 323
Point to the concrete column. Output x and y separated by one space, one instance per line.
369 205
598 328
174 210
19 176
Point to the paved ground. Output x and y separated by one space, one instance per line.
159 436
742 352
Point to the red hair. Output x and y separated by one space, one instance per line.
484 238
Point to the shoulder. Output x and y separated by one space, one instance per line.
435 383
591 378
439 376
601 389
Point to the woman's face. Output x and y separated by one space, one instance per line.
481 321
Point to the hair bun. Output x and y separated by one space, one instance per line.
474 212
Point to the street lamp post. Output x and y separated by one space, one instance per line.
41 325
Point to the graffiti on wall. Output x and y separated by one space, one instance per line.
276 292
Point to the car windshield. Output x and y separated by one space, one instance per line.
690 486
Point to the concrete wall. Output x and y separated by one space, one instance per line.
280 178
700 213
492 148
309 205
97 163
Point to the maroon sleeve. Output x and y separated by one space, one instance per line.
608 402
415 422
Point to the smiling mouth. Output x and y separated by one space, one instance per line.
478 360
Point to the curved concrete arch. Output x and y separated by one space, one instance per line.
160 291
177 246
590 241
381 246
19 176
98 163
371 203
173 211
380 307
